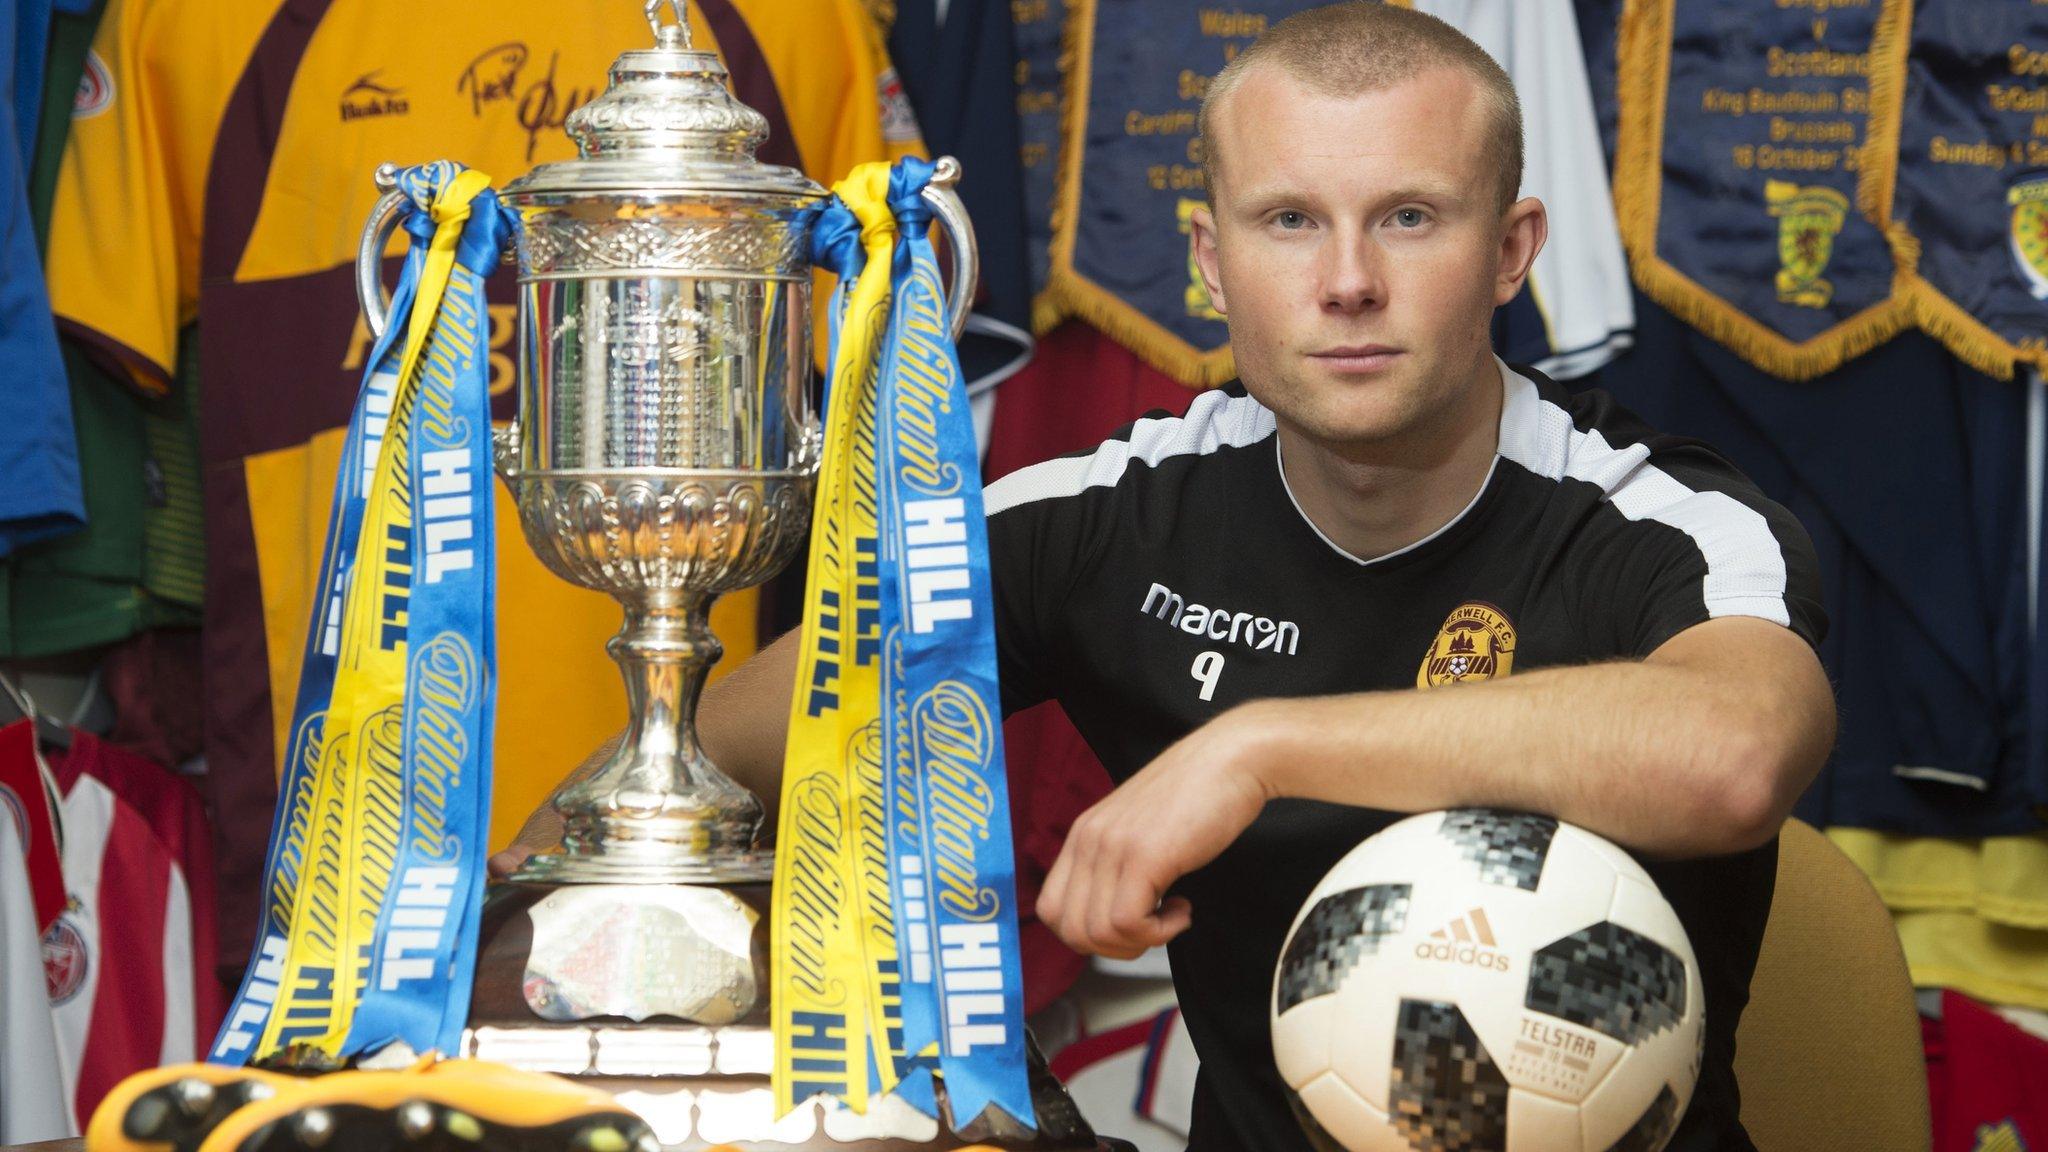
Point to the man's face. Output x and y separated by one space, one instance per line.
1358 251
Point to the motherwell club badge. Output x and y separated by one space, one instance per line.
1477 642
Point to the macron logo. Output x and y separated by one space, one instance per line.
1258 633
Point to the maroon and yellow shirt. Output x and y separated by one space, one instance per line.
222 173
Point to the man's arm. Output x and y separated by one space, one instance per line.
742 722
1699 749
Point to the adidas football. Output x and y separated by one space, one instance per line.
1487 981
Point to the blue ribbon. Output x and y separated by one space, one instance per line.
423 962
243 1025
421 1027
953 869
835 247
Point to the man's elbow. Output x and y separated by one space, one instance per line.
1761 776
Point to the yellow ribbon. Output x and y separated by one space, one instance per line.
831 897
356 804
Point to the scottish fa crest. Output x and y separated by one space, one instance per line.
2028 198
1477 642
1809 218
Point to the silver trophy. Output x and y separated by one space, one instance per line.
664 453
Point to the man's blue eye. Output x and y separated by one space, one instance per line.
1410 217
1291 220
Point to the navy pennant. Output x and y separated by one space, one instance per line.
1131 174
1739 150
1961 107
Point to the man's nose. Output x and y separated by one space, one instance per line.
1353 275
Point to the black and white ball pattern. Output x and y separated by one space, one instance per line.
1485 980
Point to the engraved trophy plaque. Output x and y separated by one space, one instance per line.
664 453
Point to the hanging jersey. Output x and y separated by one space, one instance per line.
958 64
31 1091
1576 312
176 817
136 563
1169 575
1995 1098
28 801
38 453
1972 913
119 963
1080 386
1951 636
225 178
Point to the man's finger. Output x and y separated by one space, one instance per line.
1174 917
1109 917
507 862
1133 901
1052 898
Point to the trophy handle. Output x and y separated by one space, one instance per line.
952 216
370 253
377 307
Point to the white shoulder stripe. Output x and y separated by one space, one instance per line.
1214 421
1745 564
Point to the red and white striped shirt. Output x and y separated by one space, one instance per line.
129 964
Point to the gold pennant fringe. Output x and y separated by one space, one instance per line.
1967 338
1875 182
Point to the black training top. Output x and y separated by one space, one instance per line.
1164 577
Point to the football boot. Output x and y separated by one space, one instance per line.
436 1106
174 1108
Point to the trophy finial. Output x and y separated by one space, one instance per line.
670 37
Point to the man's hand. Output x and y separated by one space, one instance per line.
542 831
1106 893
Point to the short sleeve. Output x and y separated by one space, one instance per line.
123 257
1025 661
1687 538
1048 528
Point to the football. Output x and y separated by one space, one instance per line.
1487 981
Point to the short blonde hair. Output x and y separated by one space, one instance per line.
1360 46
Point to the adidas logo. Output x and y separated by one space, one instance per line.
1465 940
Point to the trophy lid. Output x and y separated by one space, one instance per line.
666 123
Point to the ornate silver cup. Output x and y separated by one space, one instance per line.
665 443
664 453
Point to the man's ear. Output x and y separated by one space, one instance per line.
1528 226
1202 241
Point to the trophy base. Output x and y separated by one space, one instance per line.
658 994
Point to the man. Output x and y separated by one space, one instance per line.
1237 607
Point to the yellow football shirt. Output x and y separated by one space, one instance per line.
222 173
